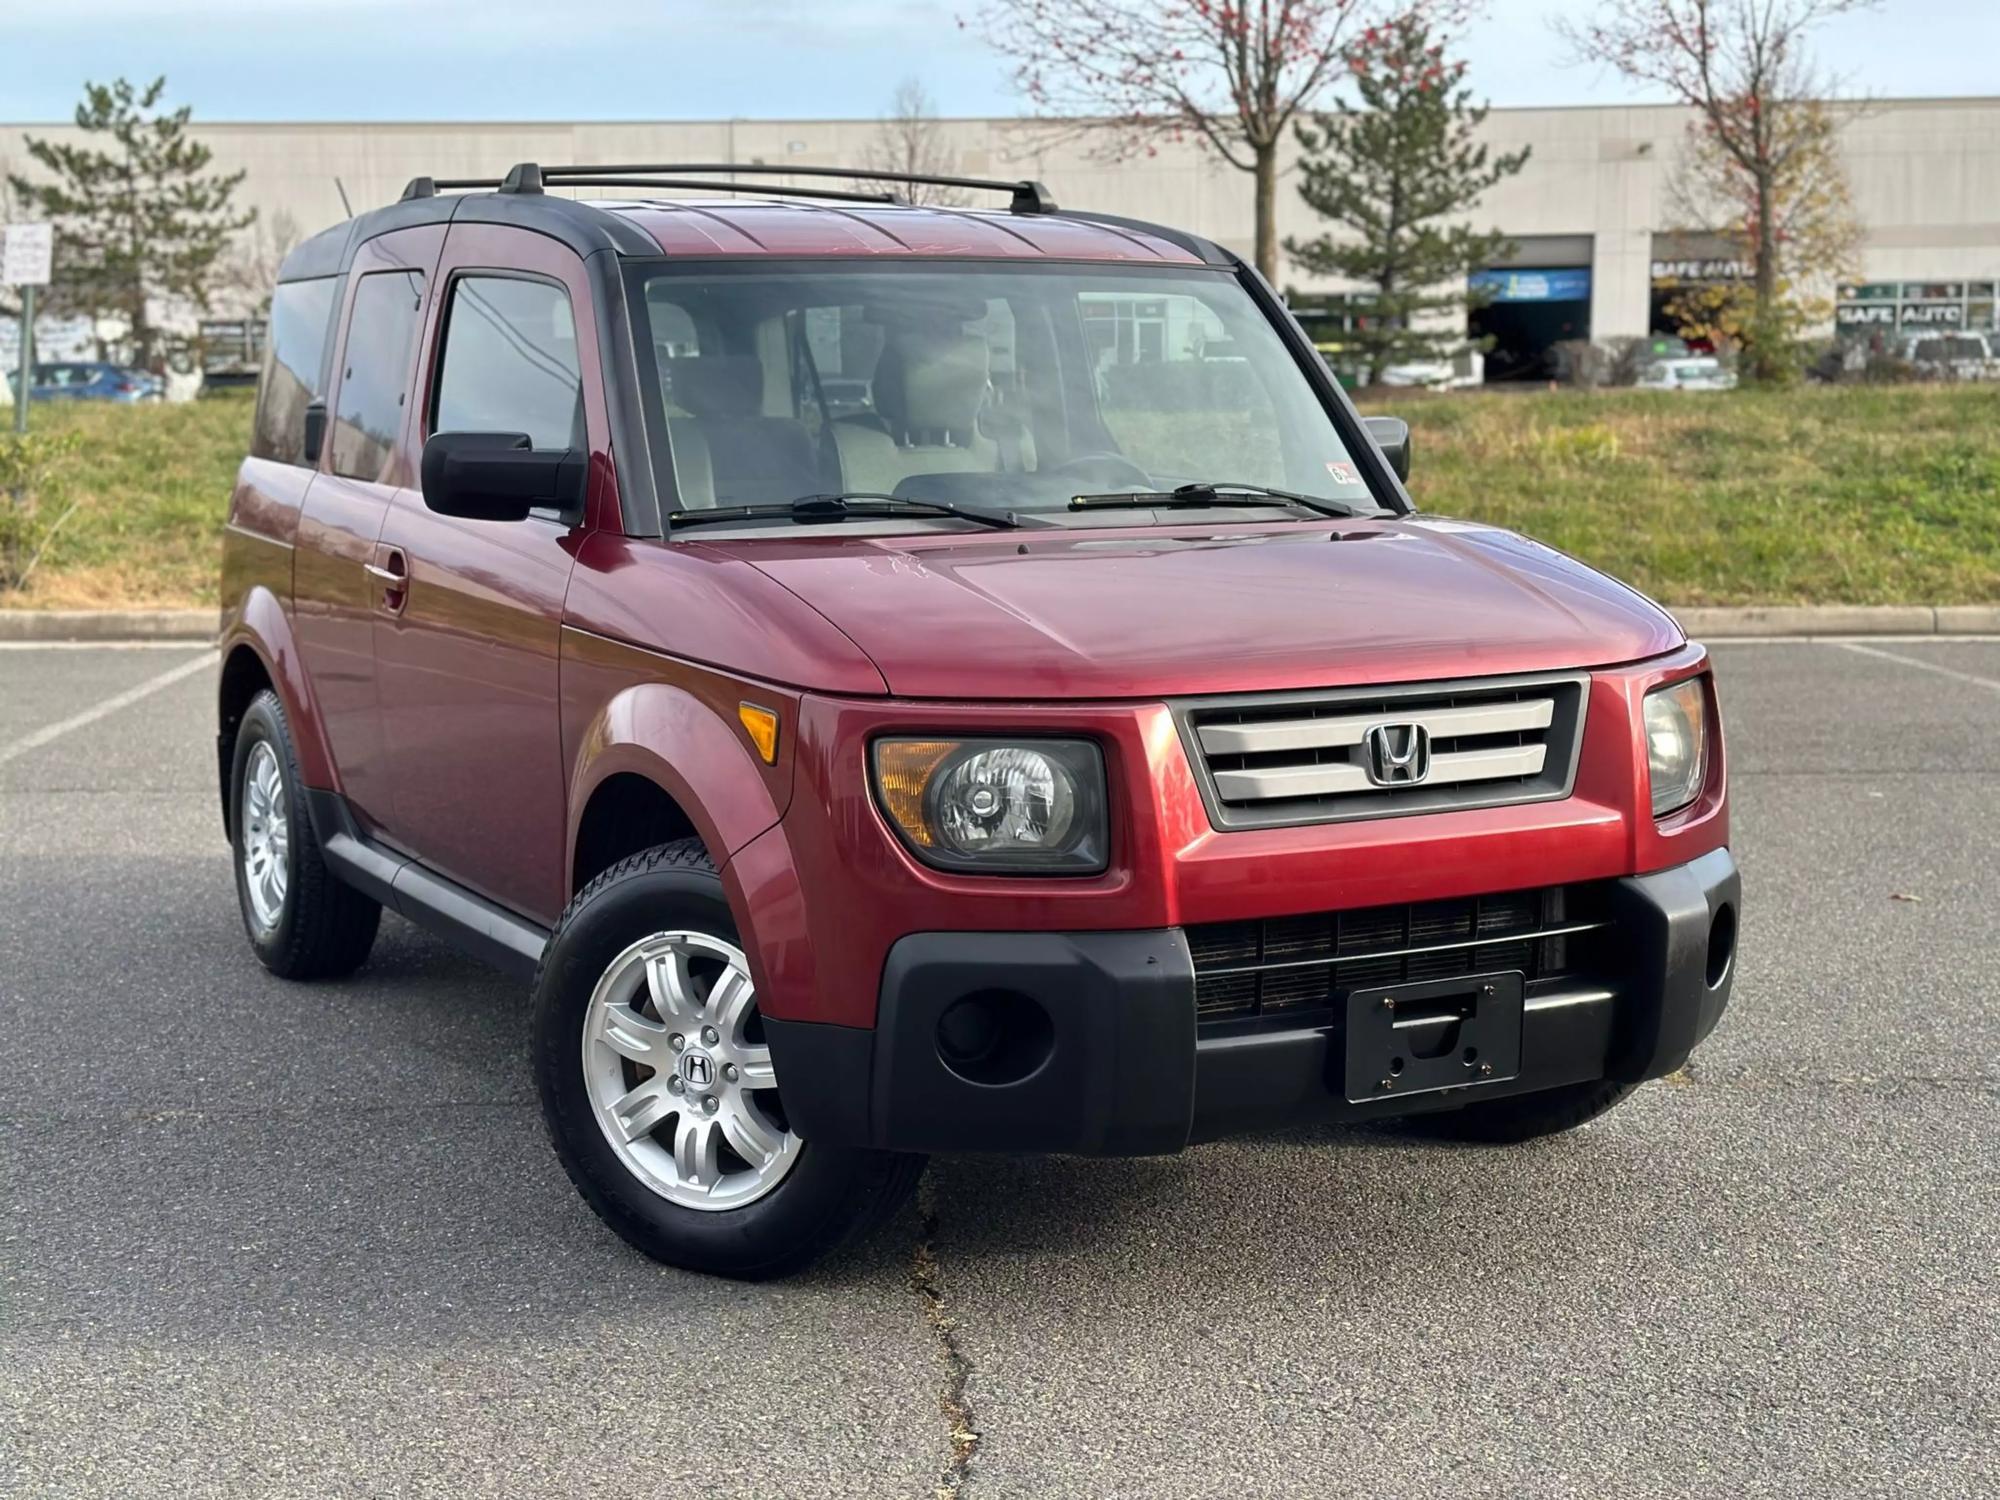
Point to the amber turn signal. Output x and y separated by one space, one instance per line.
903 771
761 724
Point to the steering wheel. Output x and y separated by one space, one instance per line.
1104 468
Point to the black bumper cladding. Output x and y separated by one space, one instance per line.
1089 1042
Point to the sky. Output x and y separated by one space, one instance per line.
771 59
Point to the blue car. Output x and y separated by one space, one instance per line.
92 380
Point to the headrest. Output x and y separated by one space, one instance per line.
932 382
715 385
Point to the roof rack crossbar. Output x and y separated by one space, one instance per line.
1024 196
696 184
430 187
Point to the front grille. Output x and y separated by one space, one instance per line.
1292 965
1318 758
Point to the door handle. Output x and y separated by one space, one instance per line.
393 573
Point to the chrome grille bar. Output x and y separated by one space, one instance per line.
1334 777
1285 759
1351 729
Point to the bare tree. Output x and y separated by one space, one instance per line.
252 266
1763 142
1232 74
910 139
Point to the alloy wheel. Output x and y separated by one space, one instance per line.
679 1076
266 836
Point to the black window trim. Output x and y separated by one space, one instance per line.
438 348
565 519
322 377
344 308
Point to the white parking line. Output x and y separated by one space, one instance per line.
1988 683
102 645
109 706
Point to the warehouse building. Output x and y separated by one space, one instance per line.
1597 252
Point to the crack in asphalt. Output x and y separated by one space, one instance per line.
927 1280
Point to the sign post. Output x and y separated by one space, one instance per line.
27 256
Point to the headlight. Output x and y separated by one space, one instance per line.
1676 743
1021 806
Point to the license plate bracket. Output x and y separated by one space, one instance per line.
1434 1034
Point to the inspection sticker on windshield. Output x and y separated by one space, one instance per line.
1343 473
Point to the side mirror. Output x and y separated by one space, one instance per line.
315 431
499 476
1392 436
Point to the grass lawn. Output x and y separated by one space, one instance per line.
1862 496
153 482
1821 495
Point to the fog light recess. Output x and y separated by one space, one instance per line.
1721 945
995 1037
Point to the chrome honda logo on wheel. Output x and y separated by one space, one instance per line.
697 1069
1398 754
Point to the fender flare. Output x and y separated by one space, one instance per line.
675 740
261 624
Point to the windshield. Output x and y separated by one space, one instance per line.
1013 390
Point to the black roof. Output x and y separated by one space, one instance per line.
520 198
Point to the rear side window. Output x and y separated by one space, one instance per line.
301 314
381 336
510 362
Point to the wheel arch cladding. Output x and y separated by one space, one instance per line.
263 626
660 753
244 676
627 813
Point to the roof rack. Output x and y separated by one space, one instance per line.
1023 197
429 187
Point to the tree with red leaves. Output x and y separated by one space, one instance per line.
1232 74
1763 151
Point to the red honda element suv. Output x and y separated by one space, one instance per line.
909 679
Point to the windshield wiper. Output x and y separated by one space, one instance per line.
1226 492
860 504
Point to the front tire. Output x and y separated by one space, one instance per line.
301 920
658 1089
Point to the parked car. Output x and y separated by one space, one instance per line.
1701 372
1026 759
91 380
1950 356
1465 370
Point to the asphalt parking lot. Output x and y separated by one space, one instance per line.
262 1239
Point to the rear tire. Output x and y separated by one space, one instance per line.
657 1087
1524 1117
302 922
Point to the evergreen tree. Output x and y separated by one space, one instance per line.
139 219
1397 173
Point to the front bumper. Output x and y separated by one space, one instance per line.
1098 1049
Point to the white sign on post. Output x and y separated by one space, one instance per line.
27 254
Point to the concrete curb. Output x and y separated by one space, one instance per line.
109 624
1699 621
1704 622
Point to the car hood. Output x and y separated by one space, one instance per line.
1197 609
